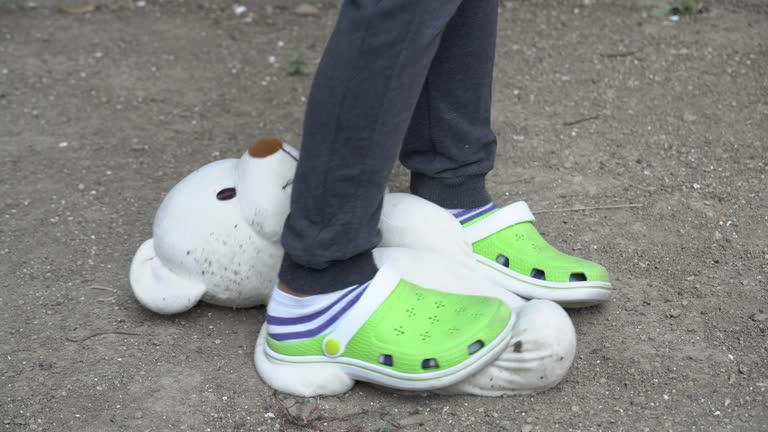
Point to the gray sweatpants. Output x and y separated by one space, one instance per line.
407 77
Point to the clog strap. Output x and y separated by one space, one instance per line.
382 285
497 221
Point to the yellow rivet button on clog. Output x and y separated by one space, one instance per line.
332 347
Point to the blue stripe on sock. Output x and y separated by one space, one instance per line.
461 214
472 214
306 334
283 321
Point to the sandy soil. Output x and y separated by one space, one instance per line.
102 112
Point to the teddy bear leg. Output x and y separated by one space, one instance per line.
538 356
304 381
157 287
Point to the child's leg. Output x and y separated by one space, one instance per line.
362 322
450 146
358 111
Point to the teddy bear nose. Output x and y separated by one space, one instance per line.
265 147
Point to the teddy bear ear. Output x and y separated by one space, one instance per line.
158 288
265 147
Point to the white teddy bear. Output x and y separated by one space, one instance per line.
216 234
216 238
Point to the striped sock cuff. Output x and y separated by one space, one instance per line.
291 318
468 215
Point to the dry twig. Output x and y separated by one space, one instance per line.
618 54
310 421
581 120
99 287
87 336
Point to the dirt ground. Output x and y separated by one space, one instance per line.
596 104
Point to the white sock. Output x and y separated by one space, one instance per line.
467 215
291 318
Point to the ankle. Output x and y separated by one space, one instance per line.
335 275
452 192
284 288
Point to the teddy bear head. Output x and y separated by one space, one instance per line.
216 234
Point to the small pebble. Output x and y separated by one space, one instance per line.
239 9
306 9
526 428
418 419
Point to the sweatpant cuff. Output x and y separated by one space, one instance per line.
451 193
336 276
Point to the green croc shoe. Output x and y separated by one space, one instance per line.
513 253
403 336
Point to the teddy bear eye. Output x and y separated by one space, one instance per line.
226 194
